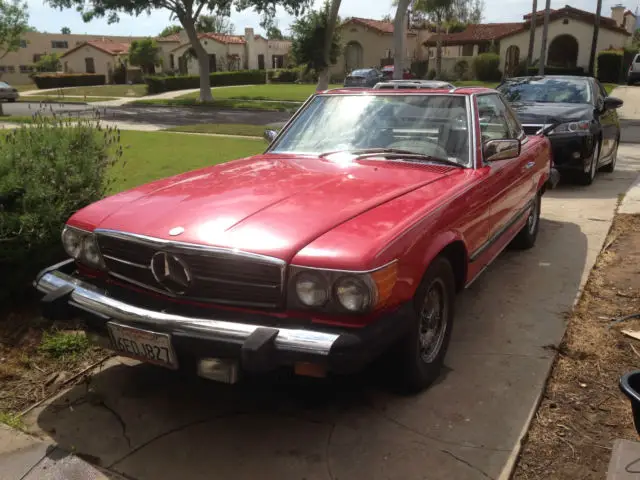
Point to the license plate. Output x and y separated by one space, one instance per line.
143 345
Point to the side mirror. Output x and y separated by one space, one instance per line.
611 103
270 135
494 150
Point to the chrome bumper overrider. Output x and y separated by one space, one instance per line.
87 297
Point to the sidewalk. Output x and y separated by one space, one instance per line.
23 457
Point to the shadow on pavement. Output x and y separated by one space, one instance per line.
150 423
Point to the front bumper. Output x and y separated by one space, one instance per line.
572 151
259 342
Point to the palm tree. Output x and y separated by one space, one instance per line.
332 20
594 40
399 34
545 31
532 34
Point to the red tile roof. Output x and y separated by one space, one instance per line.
629 12
377 25
106 46
576 13
474 33
238 39
169 38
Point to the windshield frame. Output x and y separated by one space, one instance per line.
469 108
569 79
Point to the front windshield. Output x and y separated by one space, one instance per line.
550 90
433 125
360 73
4 85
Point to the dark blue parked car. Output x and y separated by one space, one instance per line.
363 77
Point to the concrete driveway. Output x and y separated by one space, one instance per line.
147 423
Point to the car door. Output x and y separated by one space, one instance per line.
508 181
608 121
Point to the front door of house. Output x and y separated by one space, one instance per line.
89 65
261 62
212 63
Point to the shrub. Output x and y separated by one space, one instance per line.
48 170
487 67
159 84
420 68
461 70
431 74
59 80
609 66
284 75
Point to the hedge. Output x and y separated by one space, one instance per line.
609 66
59 80
285 75
573 71
159 84
487 67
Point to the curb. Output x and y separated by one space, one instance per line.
631 202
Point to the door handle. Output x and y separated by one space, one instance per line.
529 165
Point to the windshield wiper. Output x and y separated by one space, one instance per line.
394 153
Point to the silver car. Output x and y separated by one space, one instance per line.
7 92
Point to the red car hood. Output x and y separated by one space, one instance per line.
272 205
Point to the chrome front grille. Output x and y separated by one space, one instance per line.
216 275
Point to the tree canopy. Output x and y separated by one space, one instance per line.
145 54
308 37
65 30
49 62
215 24
13 25
274 33
170 30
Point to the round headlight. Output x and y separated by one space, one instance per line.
311 289
353 293
90 251
72 242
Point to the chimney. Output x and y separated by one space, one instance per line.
251 59
617 13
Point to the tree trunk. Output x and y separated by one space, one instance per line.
438 49
532 35
399 27
203 59
545 31
594 40
332 19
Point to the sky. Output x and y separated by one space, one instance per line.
47 19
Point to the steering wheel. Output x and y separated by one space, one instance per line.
423 146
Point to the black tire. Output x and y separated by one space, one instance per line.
611 166
419 365
586 178
526 238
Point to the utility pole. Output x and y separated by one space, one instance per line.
532 35
545 30
594 41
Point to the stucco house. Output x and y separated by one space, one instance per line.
16 67
369 43
568 40
99 56
226 52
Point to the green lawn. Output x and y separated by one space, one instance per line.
475 83
61 99
222 129
152 155
138 90
229 104
284 91
25 87
16 118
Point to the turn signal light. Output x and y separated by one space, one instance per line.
385 279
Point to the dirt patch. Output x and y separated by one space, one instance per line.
38 359
583 410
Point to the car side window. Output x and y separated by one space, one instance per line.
494 123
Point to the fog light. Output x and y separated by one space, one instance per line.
218 369
310 369
576 155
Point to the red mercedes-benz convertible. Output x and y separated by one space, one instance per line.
348 238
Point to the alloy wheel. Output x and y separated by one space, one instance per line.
434 321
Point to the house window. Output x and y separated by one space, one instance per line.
277 61
3 69
37 57
467 50
23 44
59 44
26 68
566 21
89 65
11 69
172 62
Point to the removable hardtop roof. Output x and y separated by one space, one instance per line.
405 84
